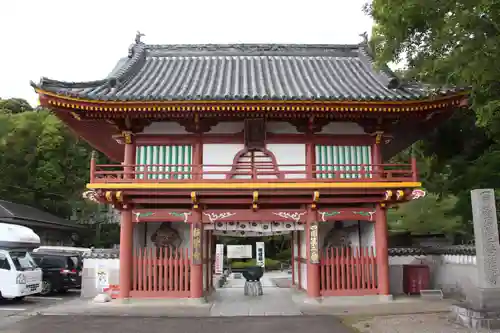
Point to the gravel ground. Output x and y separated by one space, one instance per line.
416 323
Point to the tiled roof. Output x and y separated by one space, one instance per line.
434 250
393 252
245 72
10 211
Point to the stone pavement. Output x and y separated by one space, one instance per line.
414 323
80 324
230 300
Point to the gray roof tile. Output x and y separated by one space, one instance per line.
245 72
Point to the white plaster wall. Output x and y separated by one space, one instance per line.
171 127
89 274
342 128
164 127
219 154
227 127
290 154
281 127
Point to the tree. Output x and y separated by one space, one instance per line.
43 164
450 43
14 105
429 214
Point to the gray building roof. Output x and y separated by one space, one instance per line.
11 212
245 72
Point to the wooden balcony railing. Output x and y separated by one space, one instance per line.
155 173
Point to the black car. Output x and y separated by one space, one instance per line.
61 271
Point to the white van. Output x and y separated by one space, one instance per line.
19 275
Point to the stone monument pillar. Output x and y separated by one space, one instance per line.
484 215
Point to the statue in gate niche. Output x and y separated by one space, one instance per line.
339 236
166 237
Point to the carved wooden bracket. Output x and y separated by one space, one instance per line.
312 125
197 124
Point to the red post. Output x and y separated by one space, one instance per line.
310 159
313 269
196 286
126 244
414 170
381 253
299 260
129 158
293 257
92 166
377 156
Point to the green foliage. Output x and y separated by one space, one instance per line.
285 255
449 43
271 264
430 214
14 105
43 164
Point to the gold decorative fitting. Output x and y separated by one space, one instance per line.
378 136
399 194
127 137
194 199
315 199
388 195
76 116
313 243
255 196
119 196
109 196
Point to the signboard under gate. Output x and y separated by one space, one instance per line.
260 252
219 258
239 251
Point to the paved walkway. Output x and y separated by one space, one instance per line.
230 300
81 324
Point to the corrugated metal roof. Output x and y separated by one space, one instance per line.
245 72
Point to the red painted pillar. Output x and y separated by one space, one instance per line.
299 259
313 276
129 155
293 257
126 245
377 156
196 287
381 250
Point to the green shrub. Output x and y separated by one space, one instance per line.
284 256
271 264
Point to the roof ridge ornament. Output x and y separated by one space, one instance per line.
364 35
138 36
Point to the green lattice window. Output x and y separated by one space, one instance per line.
165 158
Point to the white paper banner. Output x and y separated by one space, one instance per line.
102 278
260 257
219 258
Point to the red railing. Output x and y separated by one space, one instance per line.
160 273
243 172
348 272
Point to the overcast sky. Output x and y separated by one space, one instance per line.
83 40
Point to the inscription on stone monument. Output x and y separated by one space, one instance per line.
486 236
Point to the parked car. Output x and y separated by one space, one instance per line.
76 256
61 271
